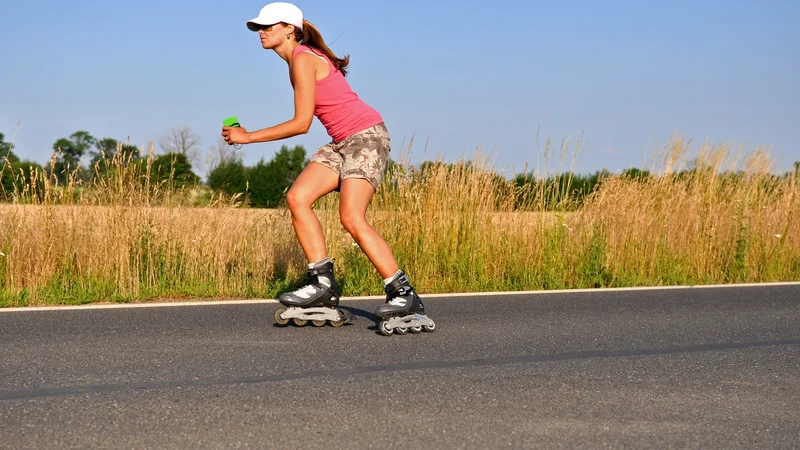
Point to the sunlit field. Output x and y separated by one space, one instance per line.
454 227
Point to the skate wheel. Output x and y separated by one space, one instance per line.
384 329
415 330
401 331
280 321
299 322
319 323
429 328
337 323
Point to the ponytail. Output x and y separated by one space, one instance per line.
311 37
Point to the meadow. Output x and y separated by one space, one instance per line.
715 214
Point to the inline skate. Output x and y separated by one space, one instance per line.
316 300
403 311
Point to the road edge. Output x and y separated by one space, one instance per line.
200 302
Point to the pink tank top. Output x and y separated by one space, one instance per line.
338 108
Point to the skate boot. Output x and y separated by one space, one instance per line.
315 299
403 310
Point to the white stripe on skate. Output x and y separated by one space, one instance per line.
383 297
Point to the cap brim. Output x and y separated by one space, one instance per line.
255 24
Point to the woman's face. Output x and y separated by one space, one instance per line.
272 35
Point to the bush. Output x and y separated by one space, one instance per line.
229 177
269 181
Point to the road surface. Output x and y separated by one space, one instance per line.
662 368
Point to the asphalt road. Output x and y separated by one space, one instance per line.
688 368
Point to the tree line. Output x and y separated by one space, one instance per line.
264 184
66 167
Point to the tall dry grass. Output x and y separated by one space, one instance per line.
122 237
731 219
452 227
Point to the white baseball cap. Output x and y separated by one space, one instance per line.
277 12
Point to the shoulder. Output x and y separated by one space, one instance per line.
303 62
303 54
303 69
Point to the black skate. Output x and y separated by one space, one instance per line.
315 299
403 310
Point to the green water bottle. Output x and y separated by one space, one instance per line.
232 121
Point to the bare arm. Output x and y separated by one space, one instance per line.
304 73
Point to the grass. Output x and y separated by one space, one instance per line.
452 227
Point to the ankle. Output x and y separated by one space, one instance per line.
386 281
320 263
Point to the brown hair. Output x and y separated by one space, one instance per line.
311 37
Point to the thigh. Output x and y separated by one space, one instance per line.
313 182
354 197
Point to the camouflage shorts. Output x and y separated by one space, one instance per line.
362 155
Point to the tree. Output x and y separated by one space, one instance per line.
564 190
181 140
71 150
129 151
291 162
5 147
8 158
107 149
17 177
270 181
74 147
228 173
220 153
229 177
105 146
174 166
266 189
636 174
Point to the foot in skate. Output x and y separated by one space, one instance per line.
315 299
318 288
403 311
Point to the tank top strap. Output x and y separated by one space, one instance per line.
305 48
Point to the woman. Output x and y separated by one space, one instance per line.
352 163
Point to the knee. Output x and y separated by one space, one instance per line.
352 222
295 199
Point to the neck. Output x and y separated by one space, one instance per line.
285 51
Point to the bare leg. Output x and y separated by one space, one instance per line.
354 198
315 181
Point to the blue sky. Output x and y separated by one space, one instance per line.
461 75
